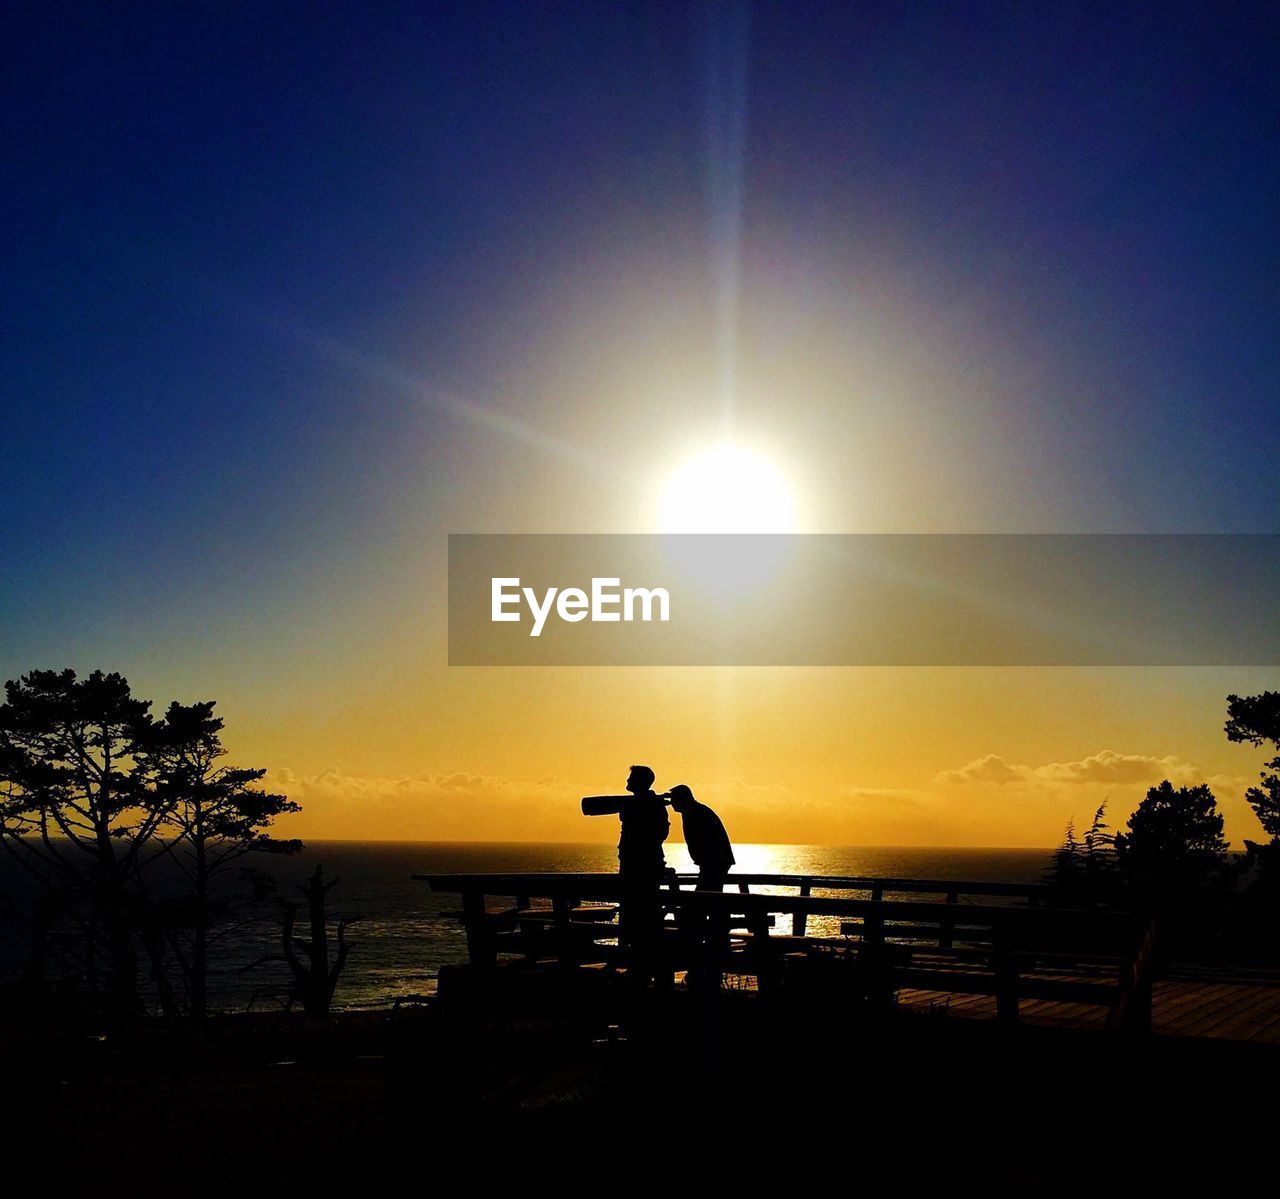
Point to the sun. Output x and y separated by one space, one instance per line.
727 489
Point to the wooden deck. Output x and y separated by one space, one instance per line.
985 952
1220 1010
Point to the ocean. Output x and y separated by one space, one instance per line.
402 932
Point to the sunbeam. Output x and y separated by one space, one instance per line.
728 38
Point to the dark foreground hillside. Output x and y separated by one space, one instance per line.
736 1089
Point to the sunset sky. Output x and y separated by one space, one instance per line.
294 291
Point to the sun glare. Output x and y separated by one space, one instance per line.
727 489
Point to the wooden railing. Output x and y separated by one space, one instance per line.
548 883
1015 949
1131 1012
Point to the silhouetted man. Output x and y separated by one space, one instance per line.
641 864
709 847
705 838
644 828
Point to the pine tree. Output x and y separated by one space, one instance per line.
214 816
1255 719
1064 875
1174 846
79 808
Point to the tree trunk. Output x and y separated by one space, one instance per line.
315 999
200 949
47 907
315 980
123 987
122 1000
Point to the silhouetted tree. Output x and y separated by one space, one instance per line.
1067 869
213 817
1174 847
1099 841
314 977
1255 720
78 805
1084 870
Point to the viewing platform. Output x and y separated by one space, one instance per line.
963 950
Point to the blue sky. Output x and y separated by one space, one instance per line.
291 291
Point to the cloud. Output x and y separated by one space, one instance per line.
1106 768
424 785
431 804
882 797
458 806
991 769
967 805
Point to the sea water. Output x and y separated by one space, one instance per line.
402 932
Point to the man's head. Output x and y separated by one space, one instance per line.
640 780
681 798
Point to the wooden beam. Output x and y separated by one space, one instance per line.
948 925
508 884
799 919
480 940
1005 968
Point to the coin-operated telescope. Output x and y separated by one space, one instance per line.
611 805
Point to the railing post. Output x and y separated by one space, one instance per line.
873 955
1140 1012
1131 1012
800 920
947 937
480 944
873 922
1006 972
561 906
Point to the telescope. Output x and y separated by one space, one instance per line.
611 805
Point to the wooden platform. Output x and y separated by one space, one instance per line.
1186 1007
954 949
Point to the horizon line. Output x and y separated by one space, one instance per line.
534 841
